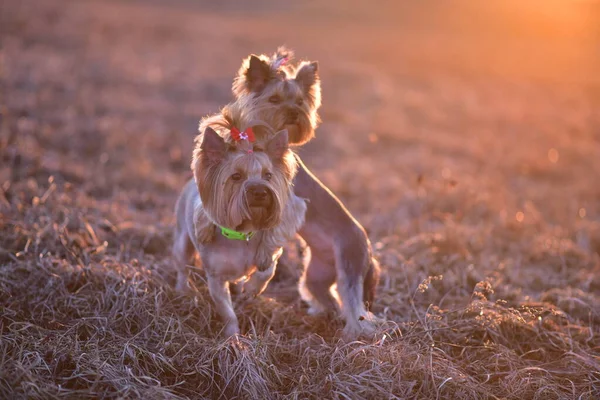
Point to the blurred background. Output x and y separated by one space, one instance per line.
433 111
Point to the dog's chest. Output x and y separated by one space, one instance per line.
232 259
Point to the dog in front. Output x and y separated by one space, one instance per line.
342 273
237 213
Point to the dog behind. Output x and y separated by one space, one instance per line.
272 90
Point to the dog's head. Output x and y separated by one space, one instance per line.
243 186
284 96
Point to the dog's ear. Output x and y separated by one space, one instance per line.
213 146
307 77
257 74
278 145
252 76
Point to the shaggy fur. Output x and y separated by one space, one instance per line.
242 187
342 273
287 96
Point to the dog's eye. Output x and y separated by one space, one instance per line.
236 177
275 99
300 102
268 176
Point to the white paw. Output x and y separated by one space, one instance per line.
364 327
231 329
316 310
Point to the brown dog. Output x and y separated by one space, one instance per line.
270 90
284 96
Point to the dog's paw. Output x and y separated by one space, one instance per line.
366 331
185 290
253 288
316 310
183 285
366 327
231 329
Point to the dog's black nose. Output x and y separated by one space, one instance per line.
258 195
258 192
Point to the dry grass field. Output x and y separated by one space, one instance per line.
464 136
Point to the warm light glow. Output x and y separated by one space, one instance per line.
582 212
520 216
553 156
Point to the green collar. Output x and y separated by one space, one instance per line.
235 235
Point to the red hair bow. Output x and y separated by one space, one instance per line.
248 135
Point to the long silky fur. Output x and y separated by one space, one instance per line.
287 82
288 215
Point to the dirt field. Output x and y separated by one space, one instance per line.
465 137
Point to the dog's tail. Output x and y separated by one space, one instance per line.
370 283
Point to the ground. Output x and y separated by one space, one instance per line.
465 137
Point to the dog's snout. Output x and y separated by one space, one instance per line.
292 114
258 192
259 196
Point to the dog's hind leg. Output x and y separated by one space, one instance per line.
183 255
315 285
219 291
356 276
359 321
371 282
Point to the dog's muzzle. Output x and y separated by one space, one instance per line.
259 196
291 116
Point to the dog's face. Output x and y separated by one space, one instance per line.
244 187
285 97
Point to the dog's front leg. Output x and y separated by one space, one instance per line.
219 291
262 276
258 281
267 256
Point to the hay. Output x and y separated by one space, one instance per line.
93 151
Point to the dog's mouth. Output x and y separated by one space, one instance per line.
261 213
258 196
292 116
265 201
294 120
260 218
261 207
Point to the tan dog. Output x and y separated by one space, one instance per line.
284 96
237 213
270 89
